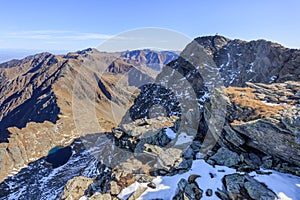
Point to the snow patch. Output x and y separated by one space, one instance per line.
270 104
170 133
204 97
166 186
251 68
272 79
286 186
125 193
184 138
228 59
221 66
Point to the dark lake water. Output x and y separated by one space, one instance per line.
58 156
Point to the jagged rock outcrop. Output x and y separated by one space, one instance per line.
150 143
188 190
258 61
253 119
263 119
255 115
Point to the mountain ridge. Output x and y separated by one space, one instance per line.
250 105
36 93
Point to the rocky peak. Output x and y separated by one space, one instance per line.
256 100
260 61
212 43
151 58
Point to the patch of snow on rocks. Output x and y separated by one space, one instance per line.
228 61
183 138
251 68
170 133
285 186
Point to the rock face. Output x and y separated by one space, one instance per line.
256 61
264 117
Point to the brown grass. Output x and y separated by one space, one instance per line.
246 98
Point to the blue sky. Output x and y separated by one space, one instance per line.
63 25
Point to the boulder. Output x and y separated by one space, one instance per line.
209 192
239 186
188 191
226 157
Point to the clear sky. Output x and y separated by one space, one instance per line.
62 25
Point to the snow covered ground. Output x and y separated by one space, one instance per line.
284 185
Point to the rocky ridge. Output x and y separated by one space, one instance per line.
260 119
250 124
260 111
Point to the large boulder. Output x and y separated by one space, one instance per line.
188 190
239 186
226 157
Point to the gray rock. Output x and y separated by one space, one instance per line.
265 136
209 192
255 159
151 185
189 191
233 136
244 186
226 157
221 194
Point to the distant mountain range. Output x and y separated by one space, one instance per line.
10 54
